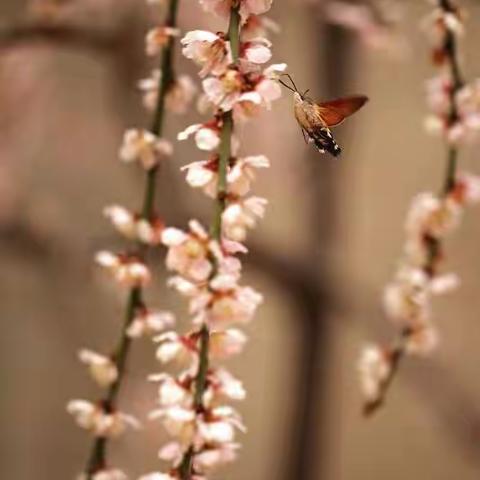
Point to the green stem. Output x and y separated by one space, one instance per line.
97 457
167 76
233 35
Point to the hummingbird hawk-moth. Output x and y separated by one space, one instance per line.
316 119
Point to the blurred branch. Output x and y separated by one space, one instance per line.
63 35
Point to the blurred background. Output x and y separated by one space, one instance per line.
330 241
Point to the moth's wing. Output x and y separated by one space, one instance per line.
336 111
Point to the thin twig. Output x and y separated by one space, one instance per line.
397 352
233 35
97 458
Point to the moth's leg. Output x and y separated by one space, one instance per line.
306 137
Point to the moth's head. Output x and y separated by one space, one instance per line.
297 97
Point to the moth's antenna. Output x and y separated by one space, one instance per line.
305 92
286 86
291 79
293 83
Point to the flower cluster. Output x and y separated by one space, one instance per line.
375 22
128 269
454 105
408 298
193 405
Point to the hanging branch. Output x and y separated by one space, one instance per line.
408 297
130 269
206 263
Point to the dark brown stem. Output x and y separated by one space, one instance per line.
434 246
97 457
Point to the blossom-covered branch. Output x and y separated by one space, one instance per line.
455 115
192 405
129 269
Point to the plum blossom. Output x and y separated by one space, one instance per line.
102 369
374 367
122 219
128 268
206 265
145 148
133 227
179 96
212 457
173 347
212 52
374 24
225 343
170 391
241 172
235 306
207 135
125 269
242 215
149 322
188 253
101 423
209 50
158 37
258 27
178 421
223 385
247 92
408 299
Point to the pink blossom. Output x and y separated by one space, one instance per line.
149 322
126 270
207 135
240 174
243 172
188 253
421 341
429 215
178 98
158 37
172 347
102 424
236 306
223 385
171 391
257 26
102 369
208 50
373 29
178 421
245 91
180 94
242 215
406 299
467 189
225 343
211 458
374 368
122 219
144 147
